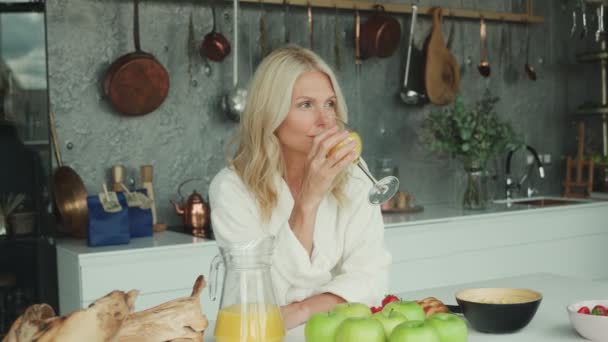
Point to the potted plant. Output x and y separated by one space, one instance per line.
472 134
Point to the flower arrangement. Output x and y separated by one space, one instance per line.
471 134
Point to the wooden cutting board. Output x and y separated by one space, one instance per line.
442 73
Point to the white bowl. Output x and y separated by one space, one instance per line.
591 327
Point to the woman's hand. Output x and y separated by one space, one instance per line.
294 314
319 173
321 168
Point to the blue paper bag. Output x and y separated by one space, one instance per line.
107 228
140 218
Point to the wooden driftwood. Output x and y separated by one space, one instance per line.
179 319
99 322
111 318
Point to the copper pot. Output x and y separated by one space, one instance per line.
215 46
380 35
195 213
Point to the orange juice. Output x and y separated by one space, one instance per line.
249 323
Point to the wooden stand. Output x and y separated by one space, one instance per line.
584 185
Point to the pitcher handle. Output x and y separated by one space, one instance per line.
213 271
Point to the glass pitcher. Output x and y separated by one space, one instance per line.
248 307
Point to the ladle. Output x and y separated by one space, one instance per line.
410 96
484 65
233 103
529 68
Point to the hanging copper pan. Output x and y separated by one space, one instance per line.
215 46
380 35
136 83
69 192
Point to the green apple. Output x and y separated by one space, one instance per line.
322 326
410 309
414 331
353 310
389 320
359 329
449 327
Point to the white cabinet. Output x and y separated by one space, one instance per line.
441 247
162 268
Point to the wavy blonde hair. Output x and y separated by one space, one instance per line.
258 159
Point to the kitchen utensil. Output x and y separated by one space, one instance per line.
233 103
248 308
380 35
195 212
286 22
214 46
600 20
69 191
310 27
442 73
408 95
264 49
337 38
498 310
484 65
136 83
584 15
573 29
358 59
591 327
528 67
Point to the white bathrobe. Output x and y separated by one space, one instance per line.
348 258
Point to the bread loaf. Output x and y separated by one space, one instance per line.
432 305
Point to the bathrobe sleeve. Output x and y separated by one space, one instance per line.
362 273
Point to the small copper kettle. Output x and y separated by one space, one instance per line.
195 212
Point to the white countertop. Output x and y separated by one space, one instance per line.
550 324
444 212
433 213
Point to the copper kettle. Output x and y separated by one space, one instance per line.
195 212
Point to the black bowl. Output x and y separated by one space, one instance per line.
498 310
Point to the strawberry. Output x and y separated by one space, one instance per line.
375 309
389 299
599 310
584 310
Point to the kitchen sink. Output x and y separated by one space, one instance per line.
543 201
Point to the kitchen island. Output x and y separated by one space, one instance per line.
550 324
441 246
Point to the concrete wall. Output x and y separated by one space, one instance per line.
186 137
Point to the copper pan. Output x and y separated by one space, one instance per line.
70 193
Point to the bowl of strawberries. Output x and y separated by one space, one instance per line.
590 319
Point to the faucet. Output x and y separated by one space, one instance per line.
510 186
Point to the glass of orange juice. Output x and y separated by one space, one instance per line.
383 189
248 308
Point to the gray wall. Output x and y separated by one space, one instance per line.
186 137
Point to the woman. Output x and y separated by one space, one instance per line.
281 181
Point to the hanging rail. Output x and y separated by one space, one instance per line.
527 17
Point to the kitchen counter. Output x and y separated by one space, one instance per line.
550 324
428 250
443 212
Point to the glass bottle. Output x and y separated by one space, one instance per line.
248 310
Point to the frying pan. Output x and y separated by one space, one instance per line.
215 46
380 35
136 83
69 192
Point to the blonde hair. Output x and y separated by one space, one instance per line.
258 160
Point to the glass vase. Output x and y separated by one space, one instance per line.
475 196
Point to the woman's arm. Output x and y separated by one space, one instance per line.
298 313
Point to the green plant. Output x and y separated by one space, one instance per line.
471 134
